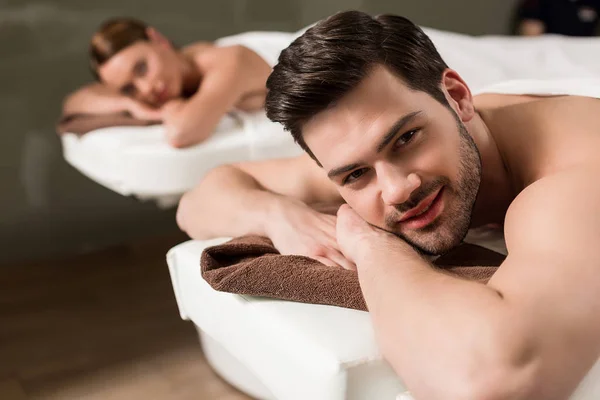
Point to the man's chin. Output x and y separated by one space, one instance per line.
434 243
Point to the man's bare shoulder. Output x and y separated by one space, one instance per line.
514 102
559 213
548 109
544 136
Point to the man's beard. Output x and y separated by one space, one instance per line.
450 228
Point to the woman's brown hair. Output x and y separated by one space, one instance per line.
113 36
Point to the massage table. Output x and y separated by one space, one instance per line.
275 349
137 161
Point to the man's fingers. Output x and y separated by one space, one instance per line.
336 259
342 261
327 261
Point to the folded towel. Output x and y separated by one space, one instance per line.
81 124
251 265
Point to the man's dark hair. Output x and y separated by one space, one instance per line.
331 58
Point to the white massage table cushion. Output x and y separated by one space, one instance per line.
301 351
297 350
139 161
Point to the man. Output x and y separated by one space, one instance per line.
396 134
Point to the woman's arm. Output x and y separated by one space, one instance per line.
231 76
97 98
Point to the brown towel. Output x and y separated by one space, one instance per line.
81 124
251 265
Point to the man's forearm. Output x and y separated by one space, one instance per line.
228 202
442 334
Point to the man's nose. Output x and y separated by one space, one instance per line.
397 185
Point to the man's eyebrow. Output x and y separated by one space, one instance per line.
405 119
395 128
338 171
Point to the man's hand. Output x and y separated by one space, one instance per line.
357 238
300 230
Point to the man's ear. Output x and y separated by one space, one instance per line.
458 94
157 37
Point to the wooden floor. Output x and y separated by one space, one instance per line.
102 326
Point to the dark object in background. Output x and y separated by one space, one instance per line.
563 17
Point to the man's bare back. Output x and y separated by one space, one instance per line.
546 135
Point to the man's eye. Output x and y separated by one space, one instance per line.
404 139
140 69
354 175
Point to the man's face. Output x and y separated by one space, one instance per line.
402 160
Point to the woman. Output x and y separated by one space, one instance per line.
140 72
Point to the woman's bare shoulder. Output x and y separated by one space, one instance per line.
196 48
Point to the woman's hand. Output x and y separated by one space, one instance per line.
175 121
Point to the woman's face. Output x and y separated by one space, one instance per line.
148 71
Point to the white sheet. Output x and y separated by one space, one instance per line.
486 60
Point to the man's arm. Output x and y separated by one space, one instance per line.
267 198
230 73
531 333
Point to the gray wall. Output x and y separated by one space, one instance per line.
46 207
